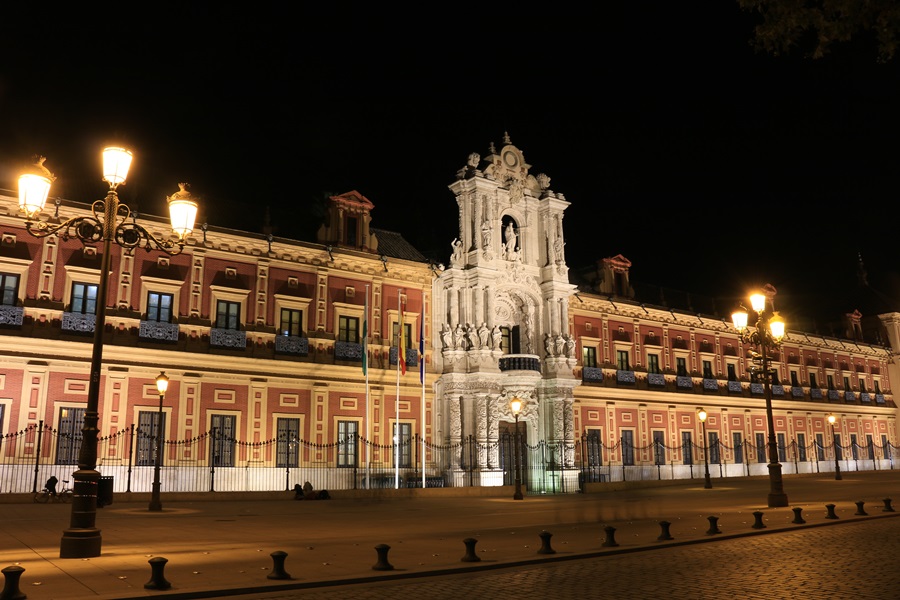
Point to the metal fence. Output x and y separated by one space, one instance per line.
213 462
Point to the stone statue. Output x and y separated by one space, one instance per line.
474 159
446 338
486 235
456 259
471 337
459 337
496 337
560 345
510 234
570 346
548 345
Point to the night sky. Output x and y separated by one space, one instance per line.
711 167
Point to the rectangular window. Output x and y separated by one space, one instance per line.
653 364
405 441
146 437
9 284
594 448
877 387
659 447
854 449
291 322
838 448
68 438
159 307
687 448
228 315
348 440
870 446
738 447
846 384
707 370
223 441
732 374
84 298
782 448
681 366
288 442
862 384
761 447
350 233
627 447
885 448
589 356
622 360
794 381
348 329
812 381
830 379
801 447
407 333
714 447
820 447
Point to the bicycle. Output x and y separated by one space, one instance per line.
63 495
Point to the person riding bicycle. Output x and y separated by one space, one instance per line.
51 485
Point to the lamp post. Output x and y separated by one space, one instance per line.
837 465
767 334
516 405
108 224
162 384
707 481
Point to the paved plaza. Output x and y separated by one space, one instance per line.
835 539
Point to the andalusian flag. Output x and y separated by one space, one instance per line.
401 350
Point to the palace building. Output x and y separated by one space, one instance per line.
354 361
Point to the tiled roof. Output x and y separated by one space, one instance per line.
392 244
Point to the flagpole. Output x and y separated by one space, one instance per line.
366 363
397 400
422 380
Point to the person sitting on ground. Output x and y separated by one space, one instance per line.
51 485
298 492
308 491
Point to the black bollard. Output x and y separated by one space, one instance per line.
470 555
382 564
664 535
859 509
887 505
758 524
830 509
11 585
713 526
157 579
278 571
610 537
545 543
797 518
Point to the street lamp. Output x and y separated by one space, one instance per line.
768 333
162 384
837 465
708 482
516 405
108 224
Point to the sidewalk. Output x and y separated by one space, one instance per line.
217 549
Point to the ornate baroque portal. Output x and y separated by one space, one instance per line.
501 311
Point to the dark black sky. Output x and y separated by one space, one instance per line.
709 166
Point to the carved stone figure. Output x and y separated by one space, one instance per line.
471 337
459 337
510 234
456 259
447 338
560 345
483 336
496 337
570 346
486 235
548 345
474 159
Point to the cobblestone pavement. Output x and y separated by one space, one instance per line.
852 559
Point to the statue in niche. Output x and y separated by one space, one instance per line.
471 337
510 235
446 338
474 159
456 259
548 345
558 245
486 235
570 346
459 337
560 345
496 337
483 336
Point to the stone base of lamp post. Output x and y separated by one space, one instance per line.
82 539
777 496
